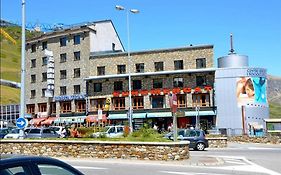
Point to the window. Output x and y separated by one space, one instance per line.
202 99
121 69
178 82
63 57
80 106
97 104
76 55
118 85
119 103
44 92
65 107
140 67
76 89
157 83
42 107
77 73
76 39
33 78
63 90
178 64
136 84
53 107
159 66
97 87
44 61
44 76
101 70
200 80
62 74
157 101
33 48
44 45
32 94
63 41
33 63
181 99
30 109
200 63
138 103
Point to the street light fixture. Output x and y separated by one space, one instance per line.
130 112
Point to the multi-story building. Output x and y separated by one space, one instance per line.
71 49
90 66
187 72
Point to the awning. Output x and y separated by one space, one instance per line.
37 121
159 114
201 113
94 118
49 121
139 115
117 116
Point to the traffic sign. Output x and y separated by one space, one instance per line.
21 123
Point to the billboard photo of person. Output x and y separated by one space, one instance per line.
245 91
260 89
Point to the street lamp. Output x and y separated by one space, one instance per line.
197 125
130 112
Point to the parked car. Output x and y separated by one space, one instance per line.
41 133
33 165
14 134
58 130
111 132
3 132
195 136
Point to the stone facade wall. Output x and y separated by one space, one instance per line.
219 142
95 149
247 139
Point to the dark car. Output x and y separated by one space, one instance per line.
195 136
3 132
34 165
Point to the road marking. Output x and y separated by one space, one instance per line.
260 148
188 173
88 168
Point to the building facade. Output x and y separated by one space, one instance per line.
72 48
91 67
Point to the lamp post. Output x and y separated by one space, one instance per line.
130 112
197 125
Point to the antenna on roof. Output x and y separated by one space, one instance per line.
231 51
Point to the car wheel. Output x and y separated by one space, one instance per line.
200 146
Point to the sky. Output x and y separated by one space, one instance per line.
255 24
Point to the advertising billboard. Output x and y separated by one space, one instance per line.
251 90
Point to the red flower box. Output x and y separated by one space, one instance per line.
135 92
197 89
187 90
125 93
155 91
166 91
116 94
176 90
208 88
144 92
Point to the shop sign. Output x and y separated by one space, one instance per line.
70 97
256 72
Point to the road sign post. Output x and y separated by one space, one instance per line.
21 123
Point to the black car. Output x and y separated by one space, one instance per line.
195 136
34 165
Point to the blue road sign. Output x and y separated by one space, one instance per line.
21 123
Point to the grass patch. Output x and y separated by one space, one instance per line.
274 110
9 95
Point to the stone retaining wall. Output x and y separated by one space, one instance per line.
217 142
98 149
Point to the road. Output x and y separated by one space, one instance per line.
242 159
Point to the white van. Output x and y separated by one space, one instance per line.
111 132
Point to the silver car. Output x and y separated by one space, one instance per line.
41 133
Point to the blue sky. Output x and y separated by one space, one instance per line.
255 24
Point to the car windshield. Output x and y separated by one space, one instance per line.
15 131
55 129
34 131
